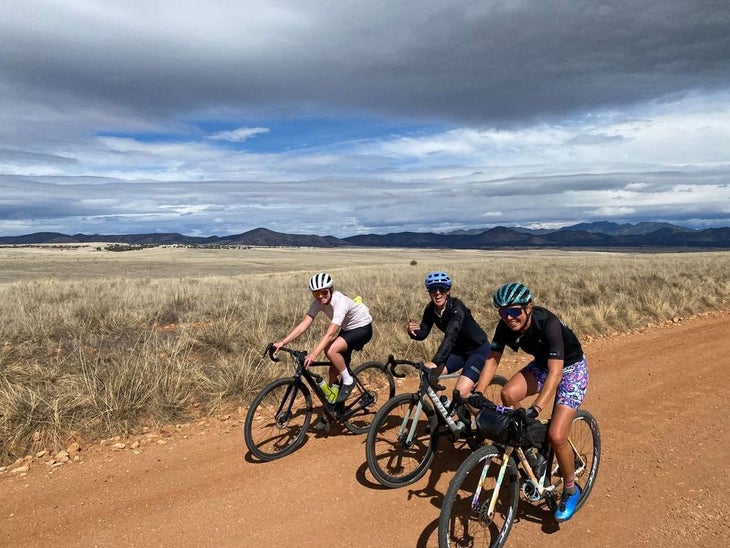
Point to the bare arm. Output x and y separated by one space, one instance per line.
327 339
552 381
294 334
488 371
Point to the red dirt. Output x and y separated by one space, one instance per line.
659 395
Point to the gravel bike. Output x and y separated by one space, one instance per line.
279 417
481 501
405 432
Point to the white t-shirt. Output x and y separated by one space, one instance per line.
342 311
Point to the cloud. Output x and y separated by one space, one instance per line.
238 135
361 116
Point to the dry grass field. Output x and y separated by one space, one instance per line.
98 343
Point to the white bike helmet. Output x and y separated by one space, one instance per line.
320 281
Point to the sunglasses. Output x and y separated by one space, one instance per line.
321 293
438 289
511 312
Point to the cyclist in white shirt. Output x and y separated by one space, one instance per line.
350 329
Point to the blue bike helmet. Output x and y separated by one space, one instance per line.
438 279
511 294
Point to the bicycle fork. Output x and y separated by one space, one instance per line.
411 416
475 506
283 413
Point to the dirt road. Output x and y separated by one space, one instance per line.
660 396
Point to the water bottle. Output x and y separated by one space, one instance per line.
326 390
334 391
445 400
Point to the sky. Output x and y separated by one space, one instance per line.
353 117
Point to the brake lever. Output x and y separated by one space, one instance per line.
432 377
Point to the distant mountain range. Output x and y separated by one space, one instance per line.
585 235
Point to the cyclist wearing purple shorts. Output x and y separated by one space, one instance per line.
558 372
465 345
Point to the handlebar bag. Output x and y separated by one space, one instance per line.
497 423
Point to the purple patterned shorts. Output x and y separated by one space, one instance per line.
572 389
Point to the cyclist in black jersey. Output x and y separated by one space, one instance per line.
557 373
465 345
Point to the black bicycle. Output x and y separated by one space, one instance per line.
481 502
279 417
402 440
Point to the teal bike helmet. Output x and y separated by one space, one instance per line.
438 279
512 294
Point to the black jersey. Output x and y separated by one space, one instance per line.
546 338
462 334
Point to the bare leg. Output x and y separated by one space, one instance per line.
560 424
520 386
334 354
464 385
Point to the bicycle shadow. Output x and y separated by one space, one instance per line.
251 459
533 513
335 429
446 461
429 536
526 510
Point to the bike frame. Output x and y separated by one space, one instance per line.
336 410
445 416
523 467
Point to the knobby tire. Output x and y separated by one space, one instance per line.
463 524
392 461
379 386
268 438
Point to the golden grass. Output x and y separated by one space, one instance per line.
98 343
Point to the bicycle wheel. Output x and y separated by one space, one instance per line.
278 419
585 439
402 440
379 387
464 518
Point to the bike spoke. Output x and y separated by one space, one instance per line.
375 387
277 421
399 447
478 509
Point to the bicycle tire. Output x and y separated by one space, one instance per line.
391 461
379 387
268 438
462 525
586 439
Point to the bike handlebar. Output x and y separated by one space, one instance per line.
271 351
392 363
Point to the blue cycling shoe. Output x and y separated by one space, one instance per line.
567 505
